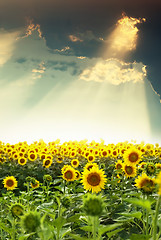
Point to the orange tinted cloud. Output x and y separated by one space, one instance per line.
31 27
63 49
74 38
124 37
81 57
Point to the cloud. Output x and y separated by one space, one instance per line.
154 90
37 72
74 38
31 27
84 36
7 44
114 72
63 49
124 37
81 57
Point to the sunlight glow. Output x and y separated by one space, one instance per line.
87 110
124 37
7 44
115 72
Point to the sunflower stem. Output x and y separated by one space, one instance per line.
94 230
147 221
64 186
156 218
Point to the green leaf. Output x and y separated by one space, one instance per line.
144 203
59 222
139 237
77 237
108 228
25 236
65 231
110 234
46 205
132 215
87 228
6 229
73 218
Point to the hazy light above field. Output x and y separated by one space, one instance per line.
7 45
70 97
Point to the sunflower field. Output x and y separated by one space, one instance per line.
80 190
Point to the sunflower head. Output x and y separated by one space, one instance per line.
89 166
91 158
93 205
47 162
17 210
75 163
35 183
132 156
69 174
94 179
145 183
119 166
78 175
30 222
22 161
158 166
150 168
28 179
129 170
10 182
47 178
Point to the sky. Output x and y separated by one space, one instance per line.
75 70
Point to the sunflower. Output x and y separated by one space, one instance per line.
69 174
78 175
145 183
150 168
132 156
94 179
158 181
104 153
32 156
142 165
42 156
149 146
17 210
73 153
64 168
22 161
59 159
47 163
119 165
75 163
88 166
115 153
96 152
10 183
158 166
15 156
35 183
129 170
91 158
